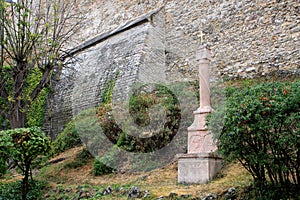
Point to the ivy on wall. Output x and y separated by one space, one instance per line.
36 112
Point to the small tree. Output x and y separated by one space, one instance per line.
262 131
24 145
34 38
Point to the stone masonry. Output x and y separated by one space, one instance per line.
247 38
134 50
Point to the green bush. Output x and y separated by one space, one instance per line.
100 168
268 191
140 103
262 131
13 191
67 139
24 146
80 160
5 143
36 112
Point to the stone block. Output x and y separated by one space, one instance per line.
198 168
200 142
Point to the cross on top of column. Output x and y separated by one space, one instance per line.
201 37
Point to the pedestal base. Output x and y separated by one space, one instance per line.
198 168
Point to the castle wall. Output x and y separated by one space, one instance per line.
133 51
247 39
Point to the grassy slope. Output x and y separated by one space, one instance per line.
66 182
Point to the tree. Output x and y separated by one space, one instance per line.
34 40
24 145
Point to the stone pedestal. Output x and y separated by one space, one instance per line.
201 163
199 138
198 168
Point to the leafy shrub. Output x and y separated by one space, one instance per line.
24 145
67 139
268 191
262 131
151 105
100 168
80 160
140 103
5 143
13 191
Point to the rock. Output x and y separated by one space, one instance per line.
210 197
250 69
84 195
185 196
173 195
69 190
147 193
134 192
107 191
231 194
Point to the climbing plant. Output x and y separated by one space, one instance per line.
33 42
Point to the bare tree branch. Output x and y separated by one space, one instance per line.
35 36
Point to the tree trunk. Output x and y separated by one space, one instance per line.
25 183
17 118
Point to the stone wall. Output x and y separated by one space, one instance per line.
247 39
132 51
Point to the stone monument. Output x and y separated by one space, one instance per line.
201 163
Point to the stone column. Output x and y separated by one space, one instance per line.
199 139
201 163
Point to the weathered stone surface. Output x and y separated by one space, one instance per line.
138 55
242 34
198 168
247 38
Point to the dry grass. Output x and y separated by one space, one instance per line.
160 181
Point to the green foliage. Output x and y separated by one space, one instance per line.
262 131
140 103
5 145
24 145
87 124
259 192
36 109
108 89
67 139
12 191
36 112
81 159
30 57
100 168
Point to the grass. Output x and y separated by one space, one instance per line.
66 182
